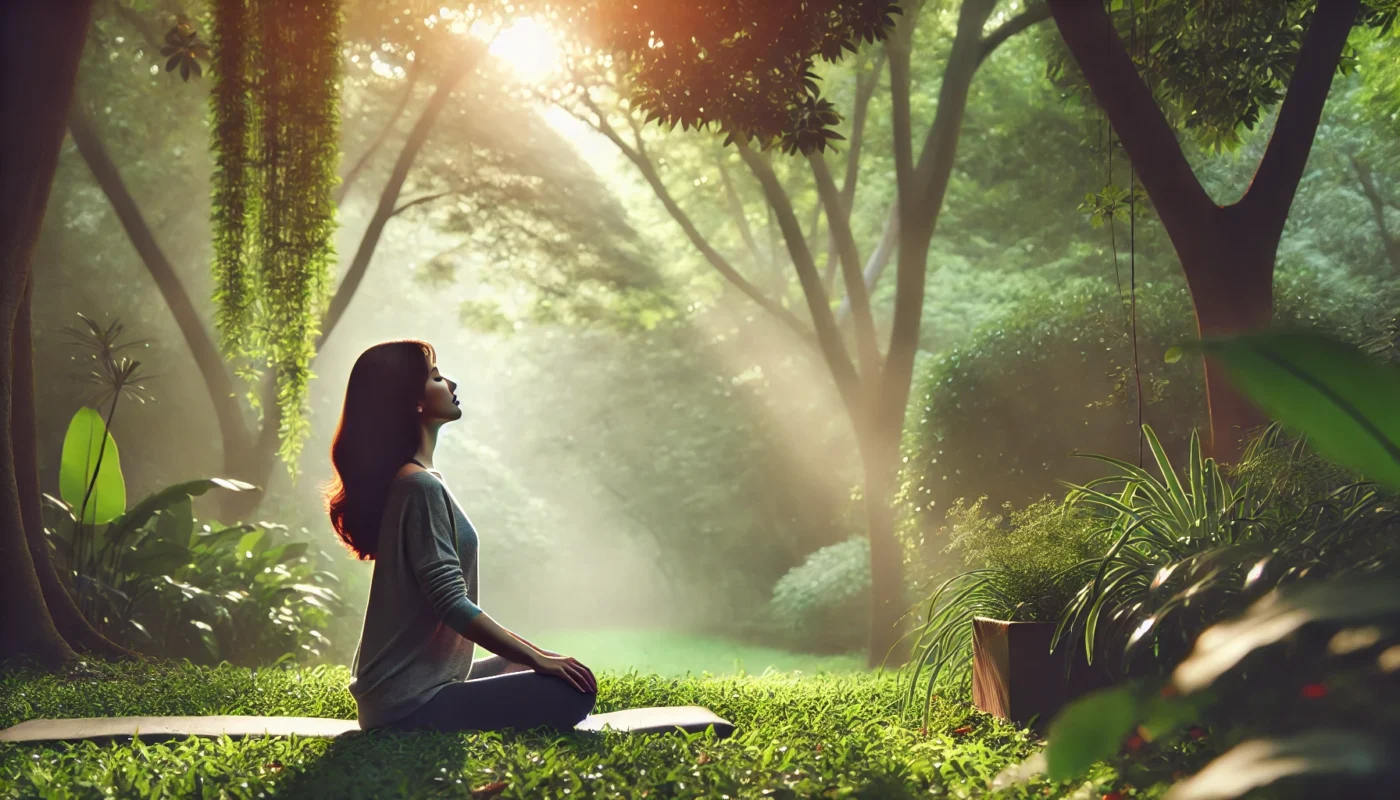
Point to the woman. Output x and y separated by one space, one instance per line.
413 667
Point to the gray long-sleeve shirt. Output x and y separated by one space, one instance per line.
422 595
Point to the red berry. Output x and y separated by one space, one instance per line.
1313 691
963 731
1196 732
1115 795
1134 743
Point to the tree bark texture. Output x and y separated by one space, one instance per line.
40 46
1227 253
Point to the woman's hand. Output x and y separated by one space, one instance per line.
578 676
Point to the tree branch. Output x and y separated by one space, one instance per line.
350 177
418 201
866 85
918 217
840 223
837 359
1378 204
875 265
232 426
389 195
1035 13
718 261
1275 183
1135 116
736 209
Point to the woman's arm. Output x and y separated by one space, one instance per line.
530 643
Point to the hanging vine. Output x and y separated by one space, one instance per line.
276 131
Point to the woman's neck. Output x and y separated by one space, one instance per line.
426 446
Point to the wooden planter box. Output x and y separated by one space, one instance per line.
1017 678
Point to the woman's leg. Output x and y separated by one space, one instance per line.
515 700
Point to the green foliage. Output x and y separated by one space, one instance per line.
1021 568
797 736
824 603
1303 679
90 475
1327 389
276 133
1215 69
748 67
1182 551
1002 414
159 583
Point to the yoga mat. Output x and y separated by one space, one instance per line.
660 719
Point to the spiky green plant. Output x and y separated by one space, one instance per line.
1183 551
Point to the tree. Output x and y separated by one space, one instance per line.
873 386
434 74
1227 252
42 43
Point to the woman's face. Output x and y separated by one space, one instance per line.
440 399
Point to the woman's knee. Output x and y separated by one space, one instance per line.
583 705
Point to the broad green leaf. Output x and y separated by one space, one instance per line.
168 497
290 551
1090 729
248 542
175 522
1277 615
156 557
1346 402
81 447
1260 762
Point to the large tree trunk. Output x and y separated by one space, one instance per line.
40 45
1229 267
888 646
67 618
1227 253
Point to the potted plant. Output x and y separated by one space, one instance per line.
989 630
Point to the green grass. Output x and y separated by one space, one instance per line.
798 736
807 726
674 655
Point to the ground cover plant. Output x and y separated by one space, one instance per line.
828 735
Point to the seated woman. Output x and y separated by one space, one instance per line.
413 667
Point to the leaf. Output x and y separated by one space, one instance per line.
1346 402
290 551
1276 616
1089 730
172 63
167 498
157 557
173 524
248 542
1260 762
81 446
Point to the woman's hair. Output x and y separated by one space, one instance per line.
378 433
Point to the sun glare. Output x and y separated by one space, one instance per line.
529 47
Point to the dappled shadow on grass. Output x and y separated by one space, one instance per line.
393 763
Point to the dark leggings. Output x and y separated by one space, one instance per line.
501 694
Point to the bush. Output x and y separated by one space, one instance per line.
824 604
1029 553
1001 416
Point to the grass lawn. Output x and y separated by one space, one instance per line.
673 655
808 734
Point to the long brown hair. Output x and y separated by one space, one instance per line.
378 433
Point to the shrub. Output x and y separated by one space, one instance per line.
823 604
1001 416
